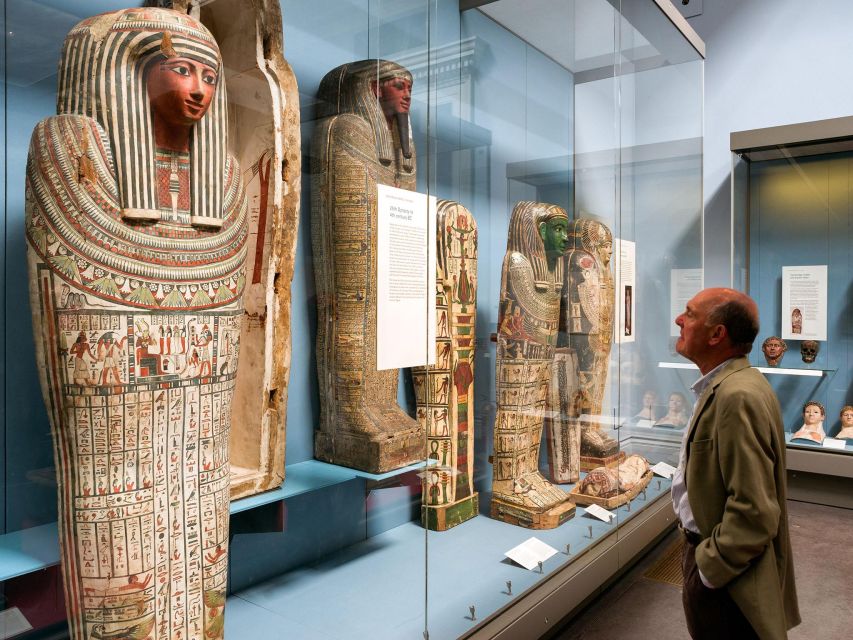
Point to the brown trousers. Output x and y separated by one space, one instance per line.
711 613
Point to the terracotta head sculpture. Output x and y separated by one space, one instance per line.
846 417
774 349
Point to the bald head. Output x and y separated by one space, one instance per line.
717 324
737 312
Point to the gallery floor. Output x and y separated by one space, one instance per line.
637 606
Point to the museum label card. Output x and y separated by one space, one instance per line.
683 285
804 294
834 443
600 512
530 553
12 623
626 282
405 281
645 423
663 469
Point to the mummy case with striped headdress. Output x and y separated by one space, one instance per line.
136 319
528 320
102 75
354 150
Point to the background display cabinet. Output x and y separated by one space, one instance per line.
792 252
487 216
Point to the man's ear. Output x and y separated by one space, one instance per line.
375 88
542 226
718 334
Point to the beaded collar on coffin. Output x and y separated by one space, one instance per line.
151 266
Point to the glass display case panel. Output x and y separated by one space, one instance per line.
790 213
562 145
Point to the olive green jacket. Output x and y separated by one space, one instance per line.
735 476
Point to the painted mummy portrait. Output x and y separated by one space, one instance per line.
136 227
528 320
362 139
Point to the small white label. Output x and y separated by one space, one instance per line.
834 443
663 469
13 622
530 553
598 512
646 424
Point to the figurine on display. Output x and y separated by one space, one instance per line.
808 350
676 415
846 417
774 349
133 248
589 312
362 139
529 314
812 429
448 416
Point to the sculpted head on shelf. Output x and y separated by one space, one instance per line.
774 349
813 413
676 403
846 416
809 349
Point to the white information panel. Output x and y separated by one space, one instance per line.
683 285
626 283
804 302
405 278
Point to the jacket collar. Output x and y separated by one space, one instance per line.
735 364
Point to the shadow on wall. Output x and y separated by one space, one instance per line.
717 235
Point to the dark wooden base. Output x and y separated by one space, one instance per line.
447 516
513 514
374 455
588 463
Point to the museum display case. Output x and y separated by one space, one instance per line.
791 252
470 226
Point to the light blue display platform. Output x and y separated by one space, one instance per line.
805 444
376 588
37 548
28 550
312 475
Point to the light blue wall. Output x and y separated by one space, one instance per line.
775 62
769 62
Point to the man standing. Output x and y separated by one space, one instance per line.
729 490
